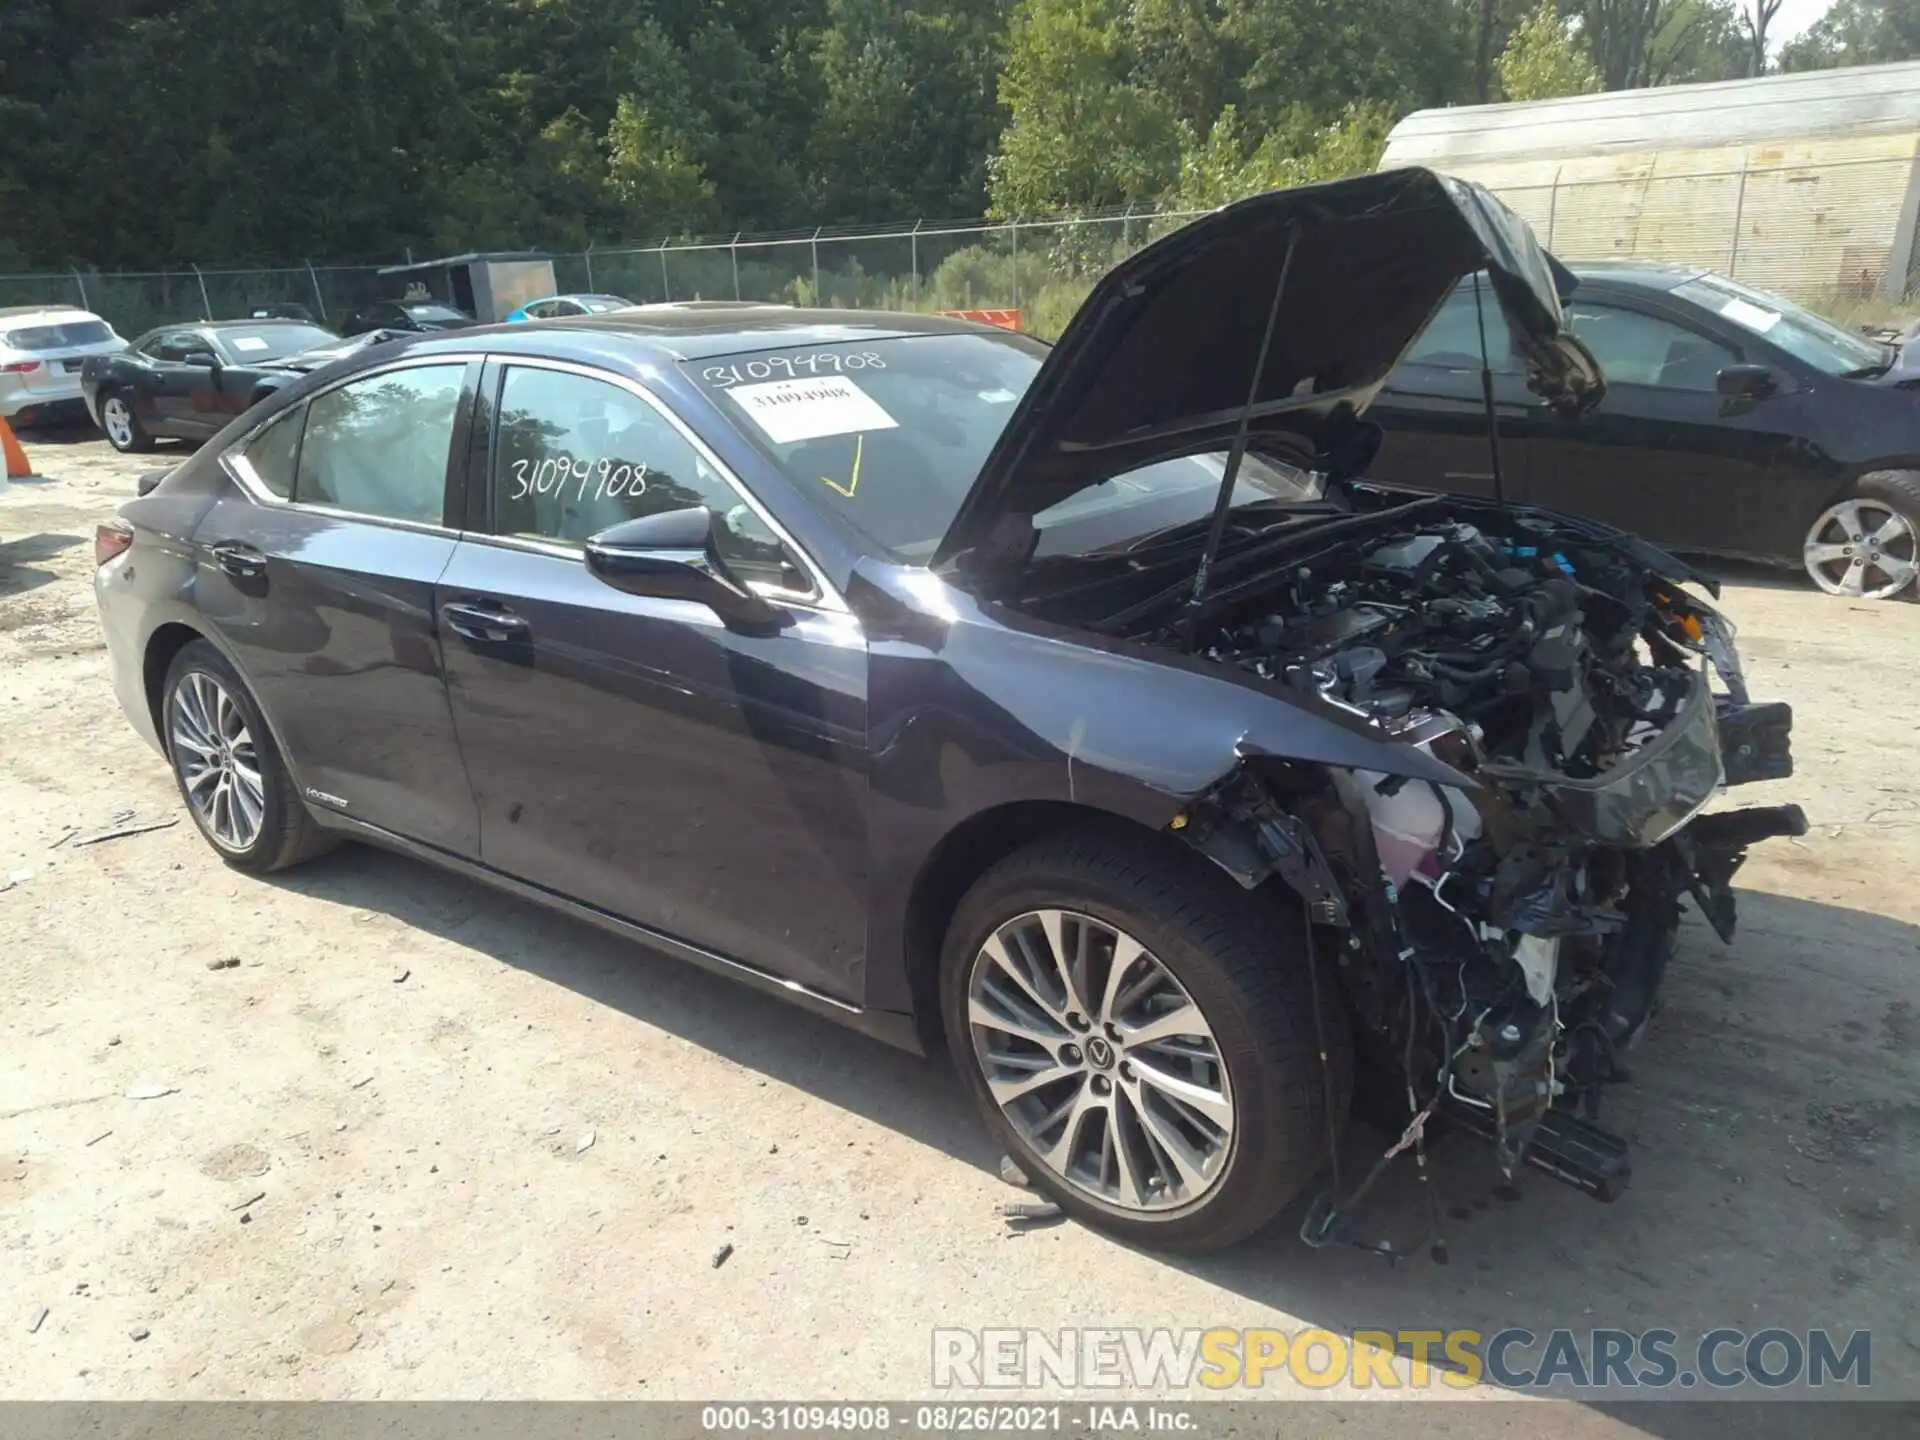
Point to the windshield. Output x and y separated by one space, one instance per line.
59 337
888 435
1802 334
252 344
602 304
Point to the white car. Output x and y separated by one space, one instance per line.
41 350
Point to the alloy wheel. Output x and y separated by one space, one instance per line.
117 420
1101 1061
1862 548
218 762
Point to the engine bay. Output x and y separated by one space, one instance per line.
1537 639
1505 938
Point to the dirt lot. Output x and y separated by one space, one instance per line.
427 1141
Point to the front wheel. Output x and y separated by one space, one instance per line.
122 426
1139 1034
1868 545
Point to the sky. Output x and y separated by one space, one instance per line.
1794 17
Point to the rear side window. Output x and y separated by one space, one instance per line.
270 457
59 337
576 455
379 446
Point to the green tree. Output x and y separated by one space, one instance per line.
908 113
659 189
1225 166
1857 32
1620 36
1080 132
1545 59
1699 41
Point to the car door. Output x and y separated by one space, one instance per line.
1664 454
172 384
317 576
1433 409
634 753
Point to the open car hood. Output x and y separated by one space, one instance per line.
1161 359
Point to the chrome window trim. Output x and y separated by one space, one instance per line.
823 597
234 461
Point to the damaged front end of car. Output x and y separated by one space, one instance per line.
1500 942
1548 708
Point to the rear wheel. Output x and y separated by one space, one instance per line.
231 775
1868 545
122 426
1138 1033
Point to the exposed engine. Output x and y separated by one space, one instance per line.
1538 648
1506 939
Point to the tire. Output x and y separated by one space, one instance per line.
120 423
1238 958
212 726
1868 545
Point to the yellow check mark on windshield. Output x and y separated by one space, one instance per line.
853 480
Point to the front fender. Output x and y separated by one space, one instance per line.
972 708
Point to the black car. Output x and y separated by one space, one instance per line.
1735 423
419 316
189 381
1078 708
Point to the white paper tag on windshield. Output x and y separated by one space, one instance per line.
247 342
1743 312
791 410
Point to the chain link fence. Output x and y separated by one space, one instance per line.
1041 267
1826 233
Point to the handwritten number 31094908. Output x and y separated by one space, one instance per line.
610 479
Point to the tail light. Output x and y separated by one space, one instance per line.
20 367
110 538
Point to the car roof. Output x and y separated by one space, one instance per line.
1641 274
65 312
699 330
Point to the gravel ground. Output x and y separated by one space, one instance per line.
427 1141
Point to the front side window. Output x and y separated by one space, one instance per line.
1638 349
176 345
1802 334
379 446
575 455
1451 340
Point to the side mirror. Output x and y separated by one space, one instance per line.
672 556
205 359
1748 382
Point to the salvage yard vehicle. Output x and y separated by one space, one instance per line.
1084 710
424 316
42 348
1735 423
187 382
559 307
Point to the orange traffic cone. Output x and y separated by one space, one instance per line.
17 466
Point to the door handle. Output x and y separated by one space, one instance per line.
485 624
239 559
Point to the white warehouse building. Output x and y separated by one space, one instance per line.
1807 184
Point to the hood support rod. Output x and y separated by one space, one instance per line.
1486 397
1223 502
